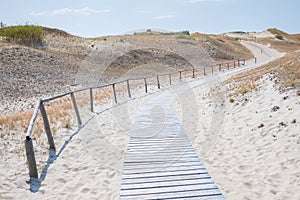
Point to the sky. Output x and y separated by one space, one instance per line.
94 18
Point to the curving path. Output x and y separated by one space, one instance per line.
160 162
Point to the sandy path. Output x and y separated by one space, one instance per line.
246 159
91 165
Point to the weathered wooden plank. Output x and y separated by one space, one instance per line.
165 169
177 192
171 183
159 166
164 173
165 179
160 162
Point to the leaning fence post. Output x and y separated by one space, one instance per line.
114 91
128 89
76 109
146 89
180 75
91 100
158 84
30 158
170 79
47 126
193 73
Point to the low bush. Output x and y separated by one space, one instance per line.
279 37
28 35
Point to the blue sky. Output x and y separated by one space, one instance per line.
91 18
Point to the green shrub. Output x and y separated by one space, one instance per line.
185 32
279 37
28 35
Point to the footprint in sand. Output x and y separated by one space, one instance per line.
85 190
61 180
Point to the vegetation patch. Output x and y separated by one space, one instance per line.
28 35
279 37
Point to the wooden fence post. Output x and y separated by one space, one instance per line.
220 66
180 75
91 100
228 66
193 73
234 64
170 79
76 109
204 71
239 63
114 91
146 89
244 61
30 158
128 89
158 84
212 69
255 60
47 126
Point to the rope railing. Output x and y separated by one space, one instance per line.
33 172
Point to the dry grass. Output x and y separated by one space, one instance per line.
289 44
287 69
245 87
275 31
225 48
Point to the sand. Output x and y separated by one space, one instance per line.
247 161
250 147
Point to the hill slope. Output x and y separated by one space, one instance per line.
64 61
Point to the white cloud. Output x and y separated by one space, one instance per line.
197 1
145 11
66 11
164 17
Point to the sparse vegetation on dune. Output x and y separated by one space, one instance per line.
275 32
287 69
222 48
28 35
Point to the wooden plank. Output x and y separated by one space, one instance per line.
169 169
158 167
163 173
160 162
171 183
165 179
183 192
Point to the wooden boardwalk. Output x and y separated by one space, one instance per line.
160 162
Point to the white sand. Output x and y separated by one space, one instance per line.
245 161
